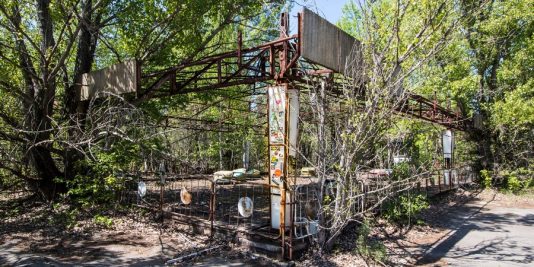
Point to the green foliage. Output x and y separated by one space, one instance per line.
103 221
351 19
327 199
401 171
528 183
486 179
12 212
513 184
367 247
519 180
158 34
516 110
8 181
88 191
485 70
404 208
99 181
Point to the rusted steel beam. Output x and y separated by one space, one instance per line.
422 108
249 66
242 81
232 54
195 76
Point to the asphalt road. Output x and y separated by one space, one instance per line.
486 234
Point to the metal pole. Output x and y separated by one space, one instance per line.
439 181
212 208
450 179
161 198
284 28
426 187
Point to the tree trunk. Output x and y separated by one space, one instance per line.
38 113
40 93
75 109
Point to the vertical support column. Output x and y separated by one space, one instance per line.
278 137
277 98
283 185
292 143
212 208
278 158
447 145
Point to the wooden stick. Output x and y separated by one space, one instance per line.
192 255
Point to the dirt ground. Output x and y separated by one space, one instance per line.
42 236
37 234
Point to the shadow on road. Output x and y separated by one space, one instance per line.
490 236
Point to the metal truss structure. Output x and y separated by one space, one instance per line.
283 62
278 61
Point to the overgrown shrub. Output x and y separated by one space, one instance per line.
63 215
519 180
7 180
100 181
90 190
513 184
404 208
367 247
400 171
485 176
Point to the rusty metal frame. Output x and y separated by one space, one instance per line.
422 108
272 61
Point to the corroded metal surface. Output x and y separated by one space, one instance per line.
324 43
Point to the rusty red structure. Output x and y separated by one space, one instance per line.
279 61
284 61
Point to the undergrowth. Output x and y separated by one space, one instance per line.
516 181
405 209
368 247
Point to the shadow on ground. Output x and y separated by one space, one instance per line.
32 233
480 232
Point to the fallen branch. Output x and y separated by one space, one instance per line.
192 255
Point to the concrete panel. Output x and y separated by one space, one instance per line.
120 78
294 107
324 43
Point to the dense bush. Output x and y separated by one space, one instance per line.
519 180
402 209
400 171
486 179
